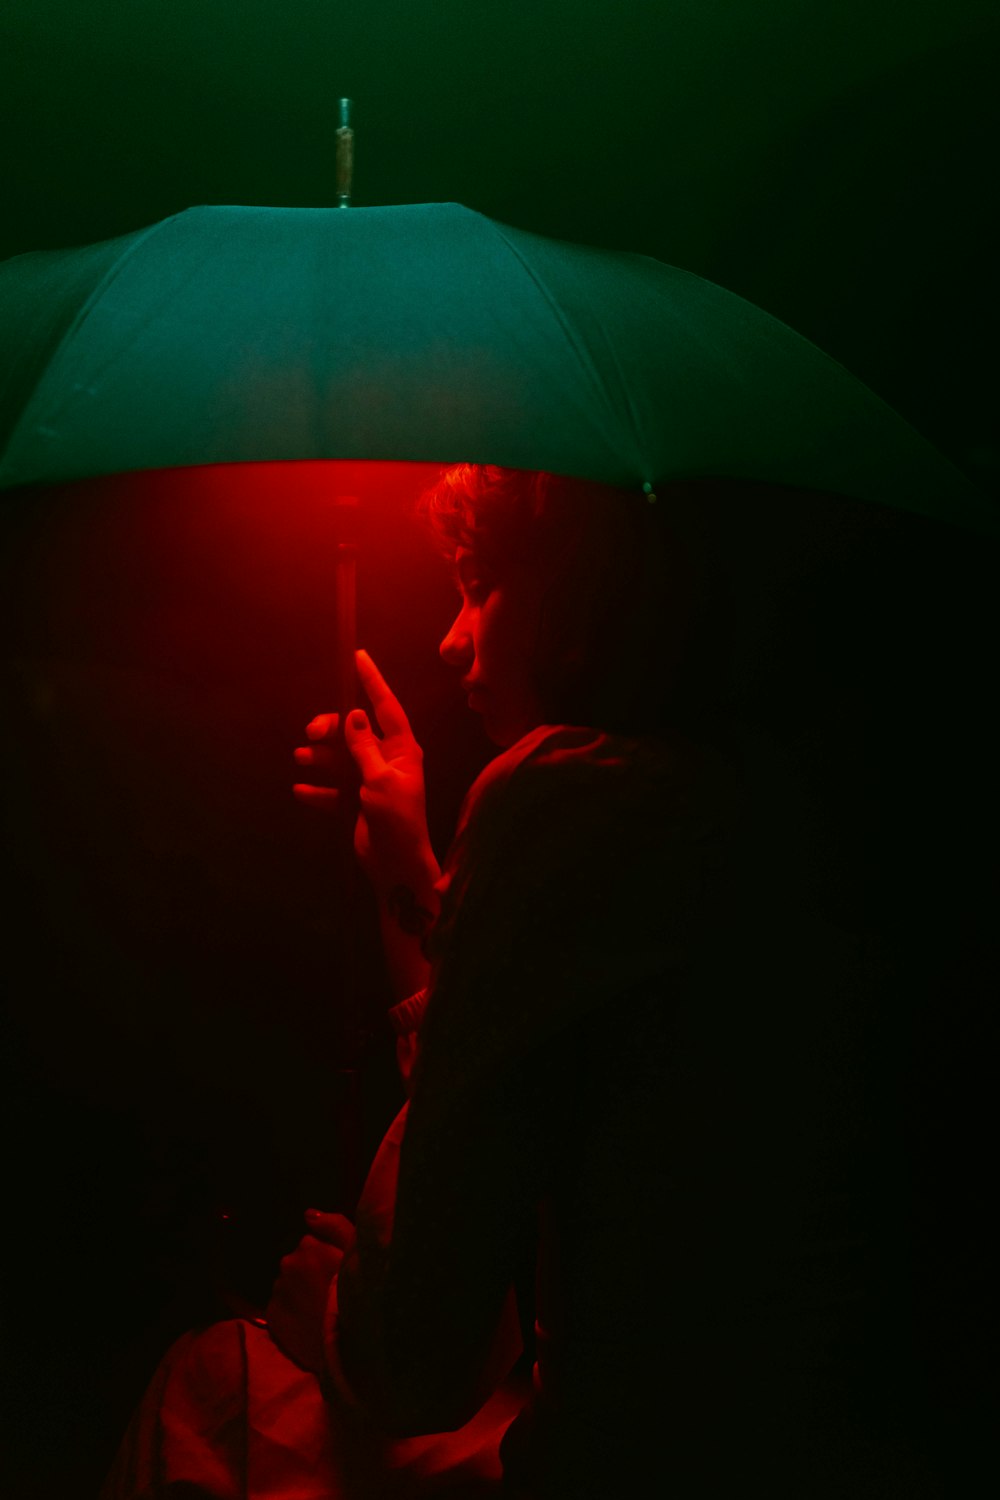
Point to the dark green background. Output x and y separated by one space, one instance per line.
830 161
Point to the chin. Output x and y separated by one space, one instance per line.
505 735
501 734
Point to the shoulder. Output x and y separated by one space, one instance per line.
567 801
543 758
577 872
536 785
563 764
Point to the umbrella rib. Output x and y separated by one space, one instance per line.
578 346
139 237
110 275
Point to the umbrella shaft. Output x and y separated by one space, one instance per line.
345 591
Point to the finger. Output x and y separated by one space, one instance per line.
322 797
314 755
364 746
323 727
332 1229
388 709
316 1247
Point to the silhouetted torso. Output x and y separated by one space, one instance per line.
744 1137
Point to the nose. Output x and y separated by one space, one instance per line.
456 649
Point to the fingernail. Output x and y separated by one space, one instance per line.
359 720
303 756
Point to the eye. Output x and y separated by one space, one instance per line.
474 582
476 590
474 579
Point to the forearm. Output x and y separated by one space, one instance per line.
407 911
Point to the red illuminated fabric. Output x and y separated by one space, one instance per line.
228 1417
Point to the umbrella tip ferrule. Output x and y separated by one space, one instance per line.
649 492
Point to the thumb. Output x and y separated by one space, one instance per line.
363 744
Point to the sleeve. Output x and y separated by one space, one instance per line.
406 1379
405 1020
373 1233
540 916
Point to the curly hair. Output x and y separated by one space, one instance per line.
495 511
615 591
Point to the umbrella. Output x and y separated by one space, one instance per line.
427 333
430 333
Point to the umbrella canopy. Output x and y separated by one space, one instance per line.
428 333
